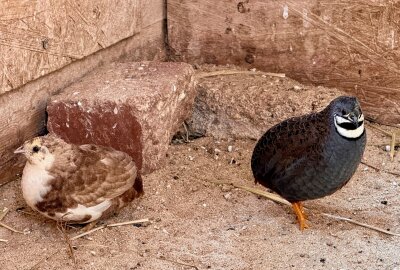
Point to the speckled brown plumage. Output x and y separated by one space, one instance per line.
86 175
305 157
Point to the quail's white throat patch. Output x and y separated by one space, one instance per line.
349 133
35 181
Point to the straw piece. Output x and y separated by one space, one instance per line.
201 75
3 213
276 198
360 224
392 145
10 228
110 225
272 196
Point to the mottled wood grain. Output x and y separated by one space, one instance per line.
38 37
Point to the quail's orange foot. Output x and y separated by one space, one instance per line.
301 216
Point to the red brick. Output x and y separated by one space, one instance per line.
132 107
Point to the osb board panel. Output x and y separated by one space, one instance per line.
22 111
37 37
352 45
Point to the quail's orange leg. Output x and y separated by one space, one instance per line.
302 210
301 218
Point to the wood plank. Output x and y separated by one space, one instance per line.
38 37
343 44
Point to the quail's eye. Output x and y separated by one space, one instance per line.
344 112
35 149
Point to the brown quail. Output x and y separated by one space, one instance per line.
77 184
311 156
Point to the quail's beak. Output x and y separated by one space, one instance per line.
20 150
353 117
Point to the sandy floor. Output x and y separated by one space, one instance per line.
211 226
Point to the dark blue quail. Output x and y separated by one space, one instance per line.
311 156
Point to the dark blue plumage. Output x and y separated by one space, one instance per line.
314 155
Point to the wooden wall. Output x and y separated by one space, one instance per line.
40 36
81 35
351 45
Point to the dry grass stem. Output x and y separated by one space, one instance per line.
360 224
3 213
201 75
110 225
370 166
271 196
88 232
379 170
139 221
61 227
178 262
276 198
10 228
7 182
392 145
384 144
3 240
388 134
27 213
186 132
